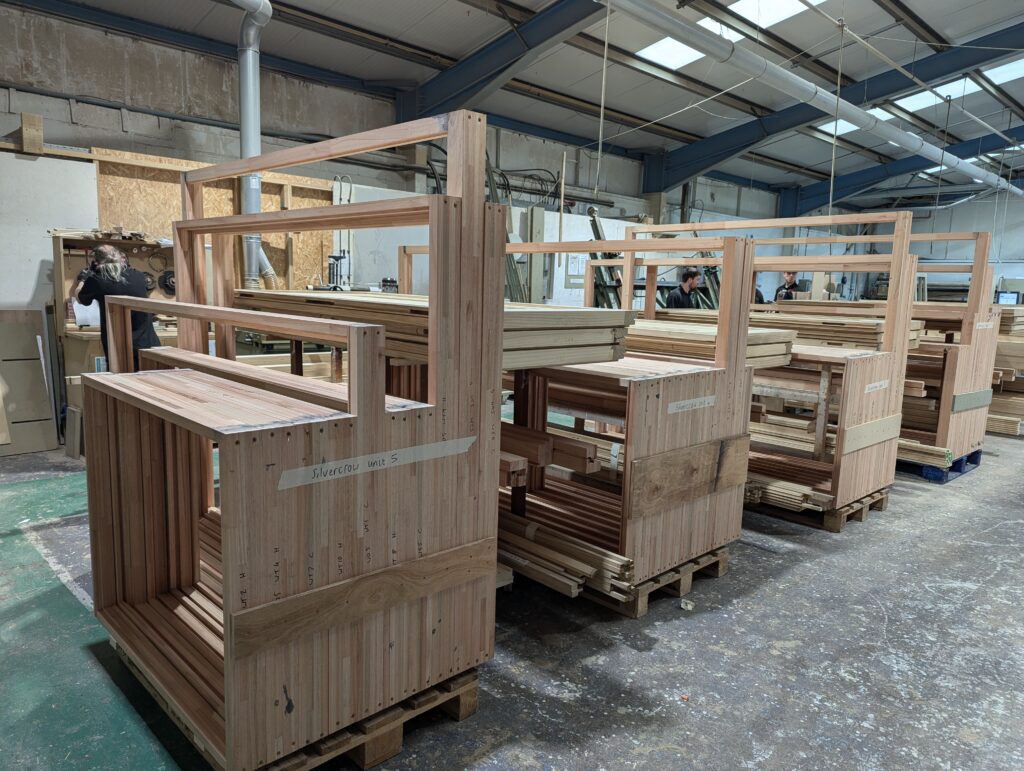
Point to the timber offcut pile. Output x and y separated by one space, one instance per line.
810 329
558 560
765 347
534 335
792 483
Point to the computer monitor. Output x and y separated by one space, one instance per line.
1007 298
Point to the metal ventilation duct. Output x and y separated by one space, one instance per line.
774 76
257 16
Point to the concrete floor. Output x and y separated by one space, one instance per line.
898 643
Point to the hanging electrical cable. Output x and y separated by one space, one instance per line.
604 81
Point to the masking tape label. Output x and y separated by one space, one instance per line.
691 404
881 385
983 325
364 464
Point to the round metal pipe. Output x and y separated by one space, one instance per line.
257 15
793 85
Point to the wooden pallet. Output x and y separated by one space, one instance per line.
940 474
833 520
677 582
367 743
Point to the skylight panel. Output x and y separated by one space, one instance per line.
1004 73
669 53
766 13
838 127
881 114
918 101
925 99
720 29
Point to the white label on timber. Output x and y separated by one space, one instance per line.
881 385
983 325
615 456
364 464
691 404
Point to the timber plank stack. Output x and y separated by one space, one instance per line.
349 566
765 347
809 329
534 335
1006 414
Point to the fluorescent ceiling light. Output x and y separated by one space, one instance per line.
765 13
838 127
933 170
1004 73
925 99
669 53
720 29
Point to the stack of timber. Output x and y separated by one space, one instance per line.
534 335
1006 415
349 567
1010 348
810 329
765 347
1011 322
653 490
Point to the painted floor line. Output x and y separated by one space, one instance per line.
59 569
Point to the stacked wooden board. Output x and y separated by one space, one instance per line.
1011 322
810 329
765 347
534 335
1006 414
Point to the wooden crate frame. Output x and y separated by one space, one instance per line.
685 433
354 590
868 413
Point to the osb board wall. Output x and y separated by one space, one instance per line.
147 199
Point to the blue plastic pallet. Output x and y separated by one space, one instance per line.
938 474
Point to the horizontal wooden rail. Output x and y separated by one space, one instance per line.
590 247
853 263
329 332
933 267
398 135
398 212
775 222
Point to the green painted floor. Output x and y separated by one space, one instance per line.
67 700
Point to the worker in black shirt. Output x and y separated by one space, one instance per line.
109 274
682 295
785 292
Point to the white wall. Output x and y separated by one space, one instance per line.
36 195
1004 219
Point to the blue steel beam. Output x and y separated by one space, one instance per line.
160 34
499 61
694 159
796 201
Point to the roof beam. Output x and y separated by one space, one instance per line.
488 68
507 9
696 158
929 35
813 196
